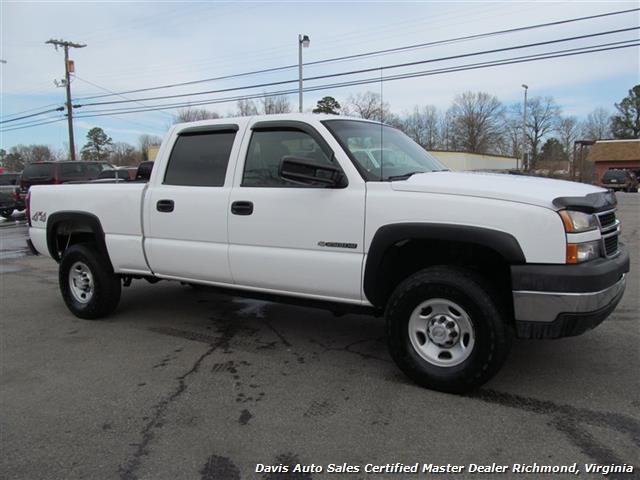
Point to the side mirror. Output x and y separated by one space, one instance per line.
304 171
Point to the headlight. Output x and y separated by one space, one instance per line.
582 252
575 221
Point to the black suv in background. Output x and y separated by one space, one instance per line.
620 180
48 173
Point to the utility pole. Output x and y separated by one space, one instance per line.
524 126
67 83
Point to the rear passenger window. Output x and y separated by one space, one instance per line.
200 159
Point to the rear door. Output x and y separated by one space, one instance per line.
285 237
186 210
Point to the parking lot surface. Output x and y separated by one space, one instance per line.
186 383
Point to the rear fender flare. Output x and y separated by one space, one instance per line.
80 219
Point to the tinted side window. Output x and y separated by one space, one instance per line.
267 148
8 179
73 171
200 159
38 170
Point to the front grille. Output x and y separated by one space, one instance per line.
609 231
607 219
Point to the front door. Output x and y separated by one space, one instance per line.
284 237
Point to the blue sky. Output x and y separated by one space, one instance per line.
133 45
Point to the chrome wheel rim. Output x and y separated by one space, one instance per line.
81 282
441 332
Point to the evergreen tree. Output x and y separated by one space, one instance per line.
327 105
626 124
98 145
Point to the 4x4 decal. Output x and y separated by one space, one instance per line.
39 216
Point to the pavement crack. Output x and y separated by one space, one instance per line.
128 471
278 334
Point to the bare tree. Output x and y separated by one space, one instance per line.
367 105
512 131
123 154
542 117
275 104
448 140
597 125
20 155
422 125
477 121
145 141
568 130
246 108
190 114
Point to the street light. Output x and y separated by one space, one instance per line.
524 124
303 41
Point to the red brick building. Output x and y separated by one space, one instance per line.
622 154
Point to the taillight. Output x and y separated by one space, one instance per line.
27 207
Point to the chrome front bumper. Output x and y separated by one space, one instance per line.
531 306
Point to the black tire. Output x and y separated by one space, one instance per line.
492 336
6 213
105 285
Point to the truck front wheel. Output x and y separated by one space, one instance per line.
446 330
89 287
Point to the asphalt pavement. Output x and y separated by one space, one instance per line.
186 383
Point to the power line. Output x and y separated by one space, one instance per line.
363 70
59 109
459 68
113 93
30 110
515 60
474 66
368 54
32 125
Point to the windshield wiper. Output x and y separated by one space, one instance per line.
404 176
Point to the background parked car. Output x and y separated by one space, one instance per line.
47 173
10 196
620 180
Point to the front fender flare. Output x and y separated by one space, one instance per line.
385 237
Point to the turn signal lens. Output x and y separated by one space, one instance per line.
582 252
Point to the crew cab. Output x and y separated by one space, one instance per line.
282 207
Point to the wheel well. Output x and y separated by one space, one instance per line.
68 233
406 257
70 228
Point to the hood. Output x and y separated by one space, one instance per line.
512 188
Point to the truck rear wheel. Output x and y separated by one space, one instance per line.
89 287
446 330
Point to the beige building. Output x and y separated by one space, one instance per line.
474 161
153 152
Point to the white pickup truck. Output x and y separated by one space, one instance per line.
350 215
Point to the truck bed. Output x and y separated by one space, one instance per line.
118 206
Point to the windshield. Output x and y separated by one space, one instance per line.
381 152
614 174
